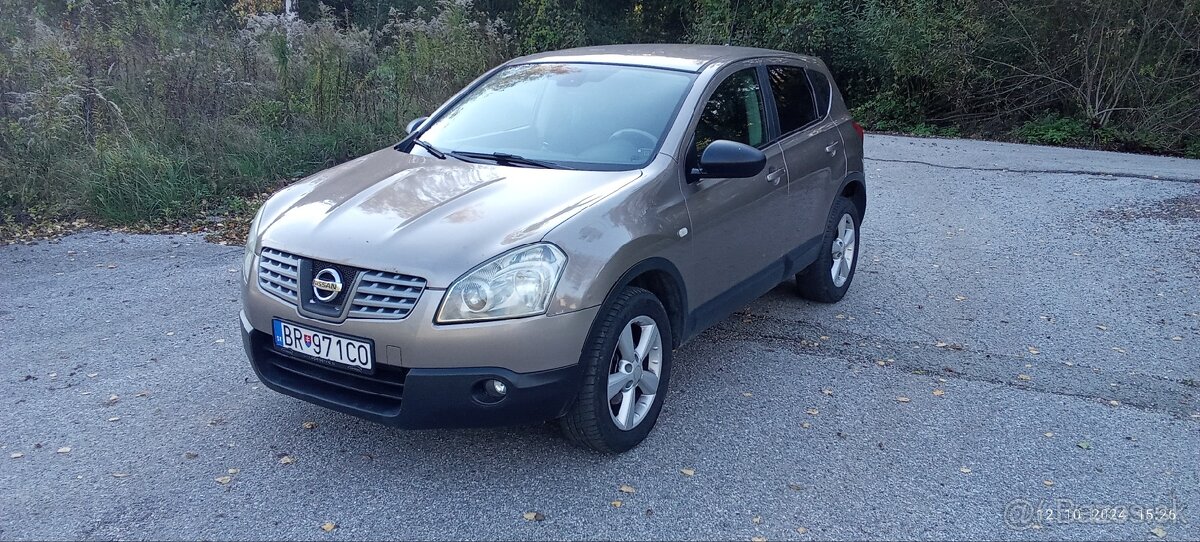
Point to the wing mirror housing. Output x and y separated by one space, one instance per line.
414 124
729 160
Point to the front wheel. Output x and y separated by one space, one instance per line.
627 362
828 278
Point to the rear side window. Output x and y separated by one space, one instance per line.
793 97
822 91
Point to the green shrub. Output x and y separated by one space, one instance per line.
1053 129
1193 150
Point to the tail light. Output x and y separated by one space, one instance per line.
862 134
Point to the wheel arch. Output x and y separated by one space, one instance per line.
660 277
854 187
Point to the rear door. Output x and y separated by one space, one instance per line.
812 147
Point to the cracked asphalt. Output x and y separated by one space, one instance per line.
1022 334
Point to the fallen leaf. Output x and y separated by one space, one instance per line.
120 475
1048 483
902 399
1114 402
287 459
626 488
881 363
827 391
328 526
223 480
1084 445
64 450
16 455
1034 351
1024 377
939 393
309 425
801 530
533 516
688 471
1159 532
813 412
234 471
617 503
964 470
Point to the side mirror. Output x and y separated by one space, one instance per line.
414 124
730 159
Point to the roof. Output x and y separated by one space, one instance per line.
692 58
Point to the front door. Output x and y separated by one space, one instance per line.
739 225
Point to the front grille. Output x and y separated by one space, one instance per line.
379 294
279 273
386 295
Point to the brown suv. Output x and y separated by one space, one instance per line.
538 246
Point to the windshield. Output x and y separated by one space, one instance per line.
581 116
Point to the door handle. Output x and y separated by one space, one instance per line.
773 175
832 148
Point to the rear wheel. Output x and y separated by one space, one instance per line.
627 362
828 278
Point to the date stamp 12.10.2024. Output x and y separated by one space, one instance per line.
1021 514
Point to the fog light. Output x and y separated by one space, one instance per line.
495 388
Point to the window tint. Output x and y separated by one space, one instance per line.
822 91
793 97
733 112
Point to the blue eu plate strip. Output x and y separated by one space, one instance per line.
278 332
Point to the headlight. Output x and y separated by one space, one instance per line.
248 257
514 284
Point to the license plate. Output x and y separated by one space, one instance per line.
323 345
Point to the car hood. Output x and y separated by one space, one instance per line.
436 219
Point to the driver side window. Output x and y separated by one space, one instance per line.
734 112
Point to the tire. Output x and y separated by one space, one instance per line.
816 282
593 420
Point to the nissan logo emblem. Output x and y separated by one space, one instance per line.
327 284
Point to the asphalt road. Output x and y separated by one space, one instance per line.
1052 296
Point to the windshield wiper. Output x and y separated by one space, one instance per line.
430 149
506 158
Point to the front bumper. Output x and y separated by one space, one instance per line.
428 375
417 398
